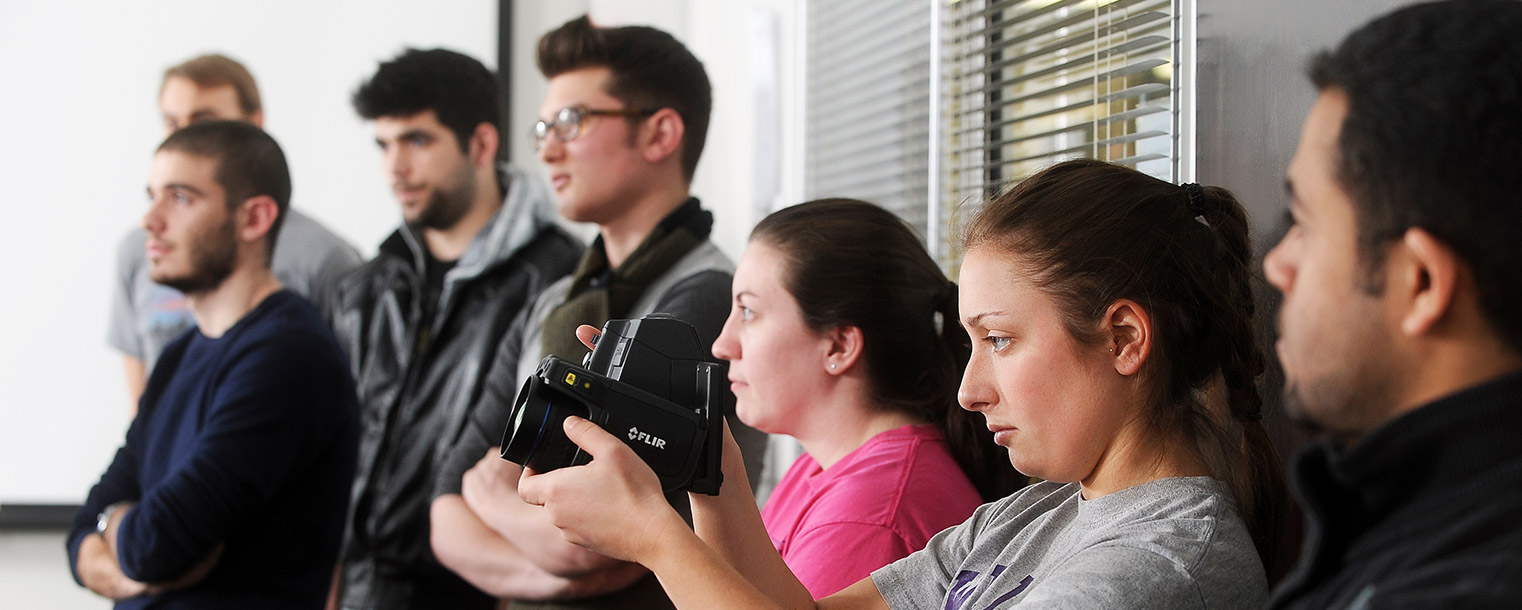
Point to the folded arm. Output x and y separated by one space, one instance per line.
490 490
614 505
100 571
480 555
264 413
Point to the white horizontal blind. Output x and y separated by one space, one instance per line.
1029 83
867 96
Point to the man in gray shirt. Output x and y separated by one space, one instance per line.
146 316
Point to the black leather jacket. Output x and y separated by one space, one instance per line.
416 384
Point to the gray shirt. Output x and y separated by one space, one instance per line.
146 316
1168 544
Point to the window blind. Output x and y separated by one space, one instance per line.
1018 85
1029 83
867 103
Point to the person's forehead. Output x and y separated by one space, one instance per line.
1313 169
180 91
180 166
581 87
426 120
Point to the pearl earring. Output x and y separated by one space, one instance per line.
832 366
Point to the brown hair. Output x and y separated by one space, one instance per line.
1092 233
851 263
249 163
215 70
651 70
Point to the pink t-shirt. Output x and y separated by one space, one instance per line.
875 506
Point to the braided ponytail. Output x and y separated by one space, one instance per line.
1256 479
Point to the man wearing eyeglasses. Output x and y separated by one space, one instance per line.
422 321
620 131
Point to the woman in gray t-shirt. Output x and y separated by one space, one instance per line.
1113 356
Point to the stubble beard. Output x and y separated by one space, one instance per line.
1345 403
212 258
446 206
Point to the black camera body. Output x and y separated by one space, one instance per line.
649 382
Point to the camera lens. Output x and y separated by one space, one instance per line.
525 424
535 436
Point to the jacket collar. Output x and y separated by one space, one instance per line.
527 209
1438 446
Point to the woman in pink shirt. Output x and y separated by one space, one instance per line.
844 336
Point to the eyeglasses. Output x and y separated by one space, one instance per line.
567 123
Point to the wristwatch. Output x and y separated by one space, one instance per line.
103 520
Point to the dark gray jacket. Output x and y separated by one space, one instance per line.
416 383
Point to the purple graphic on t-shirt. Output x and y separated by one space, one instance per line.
967 583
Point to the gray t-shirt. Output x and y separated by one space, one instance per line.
146 316
1171 544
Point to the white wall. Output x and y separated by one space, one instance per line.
78 86
751 162
79 82
721 35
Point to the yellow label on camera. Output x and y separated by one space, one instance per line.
570 378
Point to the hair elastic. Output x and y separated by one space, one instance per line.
1196 195
945 310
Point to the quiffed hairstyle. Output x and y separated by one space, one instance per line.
1433 139
456 87
851 263
1090 233
651 70
249 164
213 70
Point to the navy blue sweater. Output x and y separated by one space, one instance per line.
246 441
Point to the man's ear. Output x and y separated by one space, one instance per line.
483 146
1427 277
1129 330
661 135
844 350
256 216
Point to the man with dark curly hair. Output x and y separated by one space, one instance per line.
422 321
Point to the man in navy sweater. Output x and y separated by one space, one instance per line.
231 488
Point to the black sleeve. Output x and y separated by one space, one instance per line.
488 416
703 300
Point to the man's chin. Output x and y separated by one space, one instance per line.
1322 418
188 285
1301 417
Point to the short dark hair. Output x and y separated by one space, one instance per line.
215 70
1433 138
651 70
456 87
249 164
